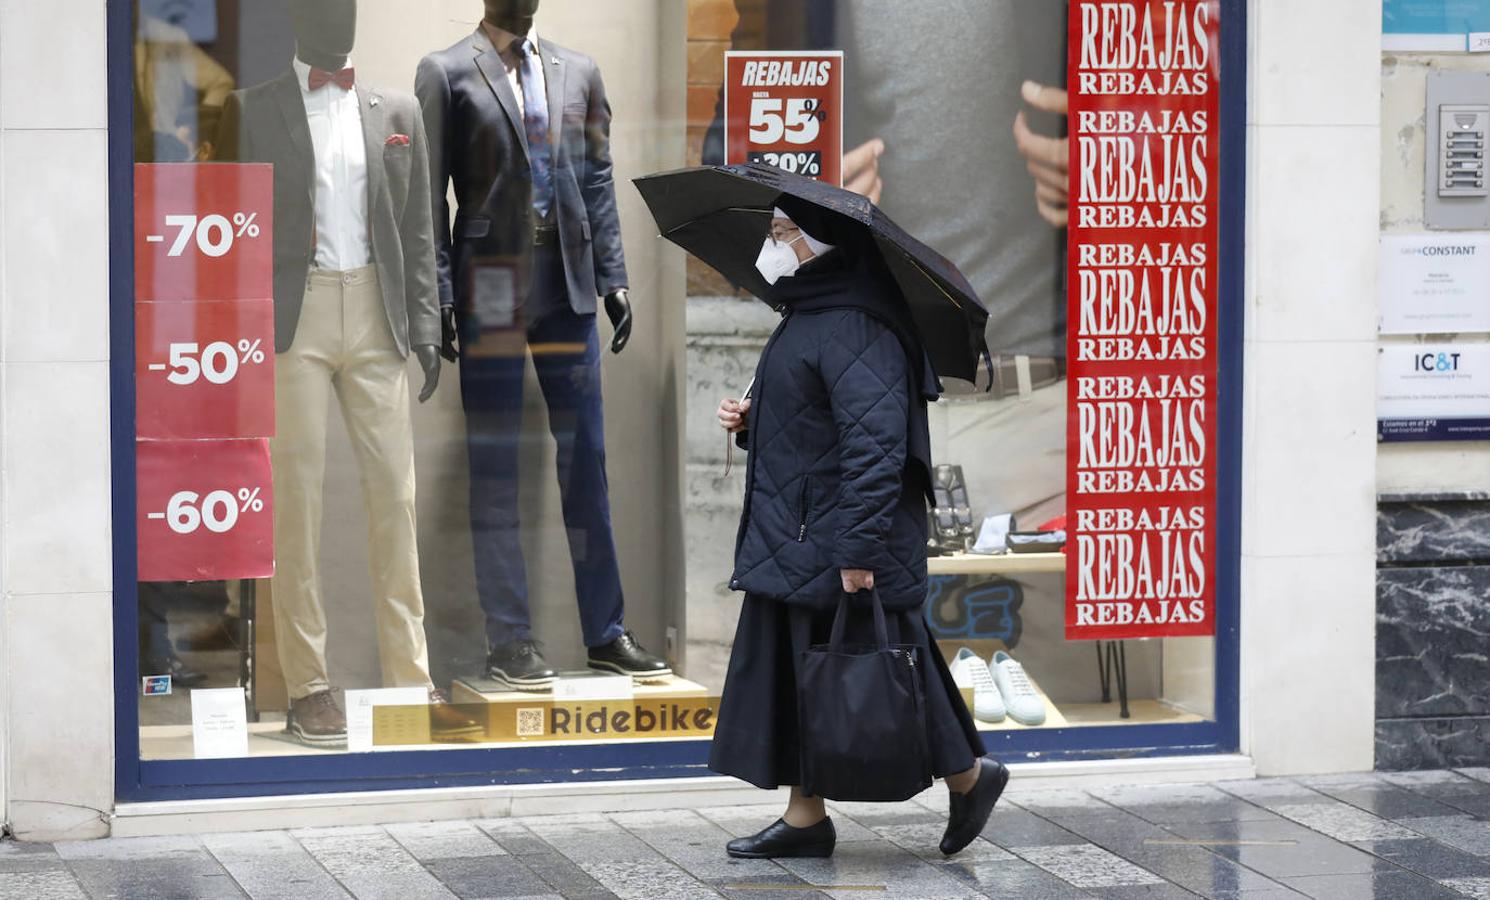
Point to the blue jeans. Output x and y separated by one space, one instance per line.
566 354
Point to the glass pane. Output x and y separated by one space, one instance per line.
507 540
331 194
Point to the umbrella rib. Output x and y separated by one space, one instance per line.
932 278
746 209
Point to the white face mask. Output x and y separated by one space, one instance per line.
777 259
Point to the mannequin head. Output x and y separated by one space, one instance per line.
513 16
324 31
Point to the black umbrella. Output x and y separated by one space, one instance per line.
722 213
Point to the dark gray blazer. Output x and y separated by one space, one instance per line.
477 139
267 124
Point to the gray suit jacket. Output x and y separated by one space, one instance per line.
477 140
267 124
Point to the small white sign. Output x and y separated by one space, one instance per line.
219 723
1435 283
360 713
594 687
1479 42
1434 381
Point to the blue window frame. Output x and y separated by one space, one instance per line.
142 780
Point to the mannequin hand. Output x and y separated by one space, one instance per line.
618 310
855 580
1048 159
861 169
732 415
448 333
429 360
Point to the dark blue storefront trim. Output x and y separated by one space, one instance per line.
138 780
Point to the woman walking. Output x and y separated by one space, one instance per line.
837 483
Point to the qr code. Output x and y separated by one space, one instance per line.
530 722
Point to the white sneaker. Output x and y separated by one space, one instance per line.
968 670
1023 704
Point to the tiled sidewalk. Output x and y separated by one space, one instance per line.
1419 836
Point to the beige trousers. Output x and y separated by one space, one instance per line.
344 346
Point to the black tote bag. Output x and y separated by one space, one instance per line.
862 715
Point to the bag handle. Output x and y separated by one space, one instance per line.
840 621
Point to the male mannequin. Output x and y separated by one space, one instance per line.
354 293
522 128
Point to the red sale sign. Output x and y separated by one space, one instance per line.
204 370
1144 85
204 510
204 231
785 109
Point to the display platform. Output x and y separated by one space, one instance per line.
1054 718
1142 712
1002 564
488 690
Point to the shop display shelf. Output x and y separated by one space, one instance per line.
1005 564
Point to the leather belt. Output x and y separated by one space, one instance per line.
1037 372
544 235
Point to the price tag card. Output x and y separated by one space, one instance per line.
219 723
594 687
360 704
785 109
204 370
204 510
204 231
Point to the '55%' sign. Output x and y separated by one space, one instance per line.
786 110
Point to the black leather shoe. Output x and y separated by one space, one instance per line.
624 656
780 840
172 665
521 665
970 811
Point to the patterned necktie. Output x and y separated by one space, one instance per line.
535 123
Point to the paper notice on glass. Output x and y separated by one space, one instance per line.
594 687
360 713
1435 283
219 723
495 297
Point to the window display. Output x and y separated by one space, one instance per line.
428 456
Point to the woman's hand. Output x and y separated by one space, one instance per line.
732 415
856 580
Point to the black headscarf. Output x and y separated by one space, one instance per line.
853 276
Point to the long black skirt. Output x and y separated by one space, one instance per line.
756 735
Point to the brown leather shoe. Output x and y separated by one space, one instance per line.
317 720
448 725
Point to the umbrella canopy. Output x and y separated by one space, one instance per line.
722 213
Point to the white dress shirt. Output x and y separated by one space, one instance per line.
502 42
335 119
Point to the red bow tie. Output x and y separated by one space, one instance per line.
344 79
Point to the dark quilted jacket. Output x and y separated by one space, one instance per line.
832 479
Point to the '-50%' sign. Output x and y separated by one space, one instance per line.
785 109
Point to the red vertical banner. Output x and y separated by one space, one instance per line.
1144 82
204 370
785 109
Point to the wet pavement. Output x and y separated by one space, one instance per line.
1409 836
